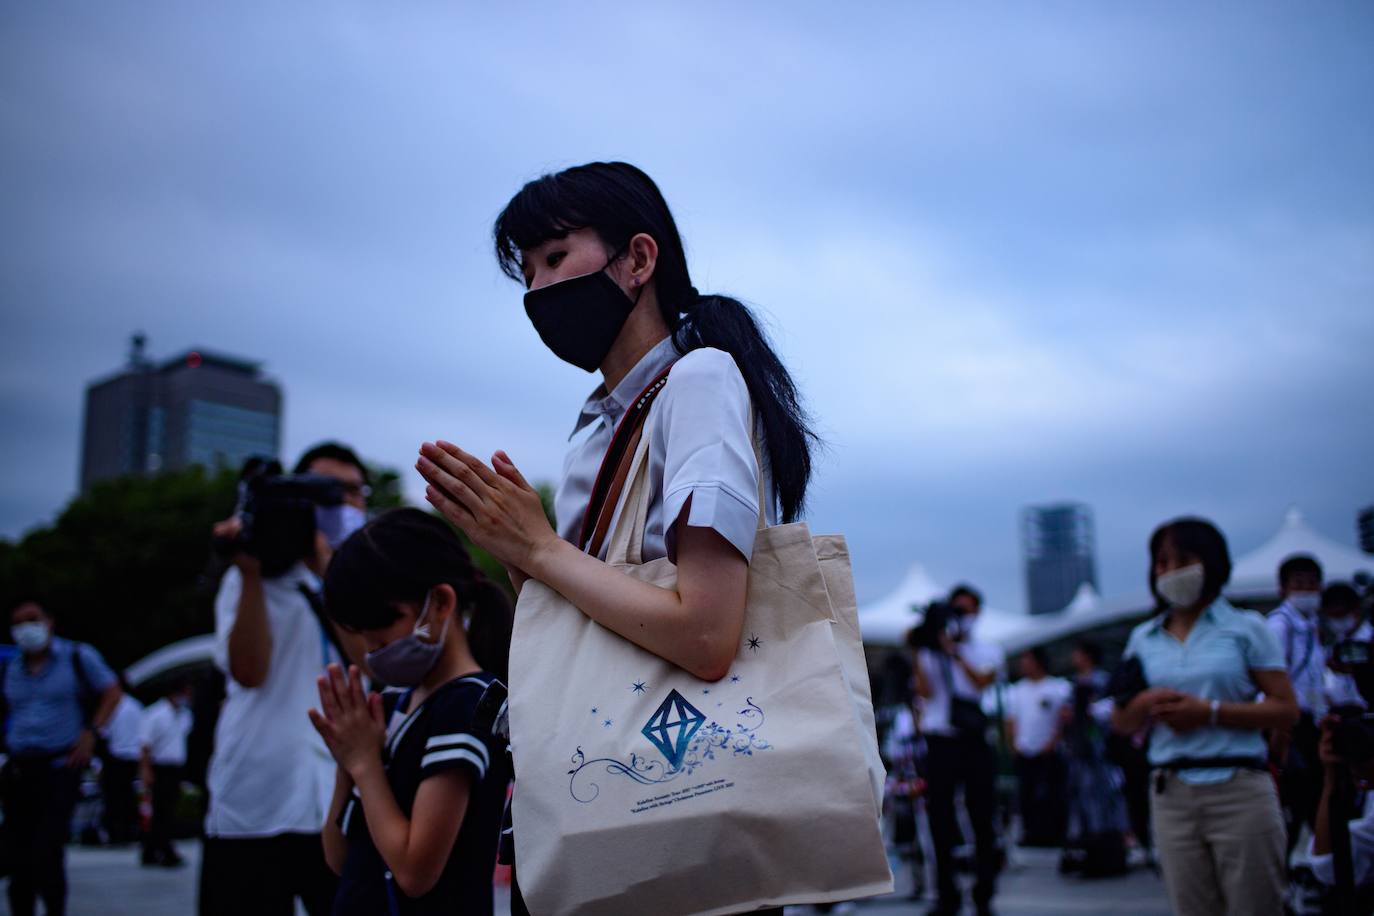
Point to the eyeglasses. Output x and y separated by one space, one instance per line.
357 489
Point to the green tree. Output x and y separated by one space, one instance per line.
126 566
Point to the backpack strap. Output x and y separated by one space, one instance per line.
88 698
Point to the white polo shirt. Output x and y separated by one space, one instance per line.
163 732
270 772
1035 706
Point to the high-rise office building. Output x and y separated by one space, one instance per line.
1366 523
1057 542
198 408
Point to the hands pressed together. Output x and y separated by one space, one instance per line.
494 506
352 723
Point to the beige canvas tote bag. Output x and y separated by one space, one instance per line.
641 789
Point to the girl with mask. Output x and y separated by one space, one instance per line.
608 290
1216 679
421 780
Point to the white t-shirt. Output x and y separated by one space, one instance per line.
700 448
163 732
1035 707
122 730
270 772
982 657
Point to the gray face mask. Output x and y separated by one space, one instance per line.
406 661
336 523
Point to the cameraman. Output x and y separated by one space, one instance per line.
950 681
1361 830
270 777
1342 621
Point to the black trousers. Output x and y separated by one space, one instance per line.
157 842
1300 781
39 799
117 793
1041 793
265 875
968 762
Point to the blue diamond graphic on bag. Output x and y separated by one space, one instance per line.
672 726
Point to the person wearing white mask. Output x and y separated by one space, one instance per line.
1210 678
1341 621
270 779
1294 751
56 695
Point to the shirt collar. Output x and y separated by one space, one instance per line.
1209 613
600 404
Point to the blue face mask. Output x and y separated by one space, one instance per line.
406 661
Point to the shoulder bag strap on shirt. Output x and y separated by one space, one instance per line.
615 468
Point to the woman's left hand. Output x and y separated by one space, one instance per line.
352 724
494 506
1183 713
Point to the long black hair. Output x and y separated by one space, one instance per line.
1194 537
400 556
619 201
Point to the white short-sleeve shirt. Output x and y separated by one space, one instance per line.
270 772
983 657
700 448
122 731
1036 706
163 732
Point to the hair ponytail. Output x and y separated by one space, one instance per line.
728 324
618 200
400 556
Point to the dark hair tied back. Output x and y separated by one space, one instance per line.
619 201
400 556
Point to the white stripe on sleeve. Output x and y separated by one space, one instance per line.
439 742
457 753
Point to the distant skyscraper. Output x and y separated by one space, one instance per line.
1058 544
1367 529
198 408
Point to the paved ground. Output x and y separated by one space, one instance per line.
109 882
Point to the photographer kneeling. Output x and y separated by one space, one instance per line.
271 778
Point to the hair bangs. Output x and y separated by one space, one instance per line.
543 209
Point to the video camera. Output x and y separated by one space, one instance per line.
939 618
280 514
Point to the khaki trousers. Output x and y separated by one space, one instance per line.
1221 847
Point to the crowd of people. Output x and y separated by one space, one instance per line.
361 762
1216 749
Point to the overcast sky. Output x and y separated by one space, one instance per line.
1014 253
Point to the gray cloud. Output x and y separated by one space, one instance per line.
1110 255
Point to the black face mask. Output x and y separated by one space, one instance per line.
580 318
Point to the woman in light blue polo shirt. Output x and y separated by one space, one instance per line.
1213 678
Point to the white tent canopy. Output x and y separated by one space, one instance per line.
886 622
1256 573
